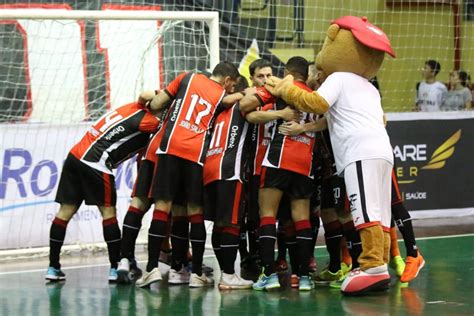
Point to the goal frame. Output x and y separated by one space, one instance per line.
211 18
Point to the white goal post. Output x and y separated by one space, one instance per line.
34 146
210 18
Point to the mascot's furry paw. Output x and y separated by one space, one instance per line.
277 87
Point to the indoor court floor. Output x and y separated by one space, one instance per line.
444 287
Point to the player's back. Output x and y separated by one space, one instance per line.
116 136
196 98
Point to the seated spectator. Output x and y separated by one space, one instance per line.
459 96
430 93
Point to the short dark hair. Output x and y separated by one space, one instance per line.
434 65
259 63
463 78
298 65
224 69
241 84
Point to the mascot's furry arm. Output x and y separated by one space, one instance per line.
301 99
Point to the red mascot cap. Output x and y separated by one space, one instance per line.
366 33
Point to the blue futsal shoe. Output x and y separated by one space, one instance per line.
306 284
55 274
266 282
113 275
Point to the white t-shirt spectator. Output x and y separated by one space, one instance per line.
355 120
430 96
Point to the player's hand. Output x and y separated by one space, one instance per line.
291 129
289 114
276 86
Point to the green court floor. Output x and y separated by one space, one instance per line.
444 287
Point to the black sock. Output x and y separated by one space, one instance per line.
216 239
198 241
229 247
130 229
333 235
156 234
291 244
252 231
403 221
112 238
243 242
315 224
304 241
354 244
281 241
179 242
56 240
267 233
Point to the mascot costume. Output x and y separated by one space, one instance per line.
352 53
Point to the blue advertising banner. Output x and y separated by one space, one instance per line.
434 158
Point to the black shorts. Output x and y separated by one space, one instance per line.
223 202
333 193
144 179
176 179
296 185
79 182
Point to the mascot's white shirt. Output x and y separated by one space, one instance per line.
355 120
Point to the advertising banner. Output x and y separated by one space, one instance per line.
31 159
434 159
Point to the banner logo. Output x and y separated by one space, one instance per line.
417 153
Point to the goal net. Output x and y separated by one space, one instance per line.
62 69
59 74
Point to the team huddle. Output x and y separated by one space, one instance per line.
245 158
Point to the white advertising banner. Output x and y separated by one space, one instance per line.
31 159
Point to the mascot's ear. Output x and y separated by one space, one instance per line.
332 31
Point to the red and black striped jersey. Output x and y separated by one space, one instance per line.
224 157
260 136
292 153
196 98
115 137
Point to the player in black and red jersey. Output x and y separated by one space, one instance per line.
287 168
181 155
224 188
87 175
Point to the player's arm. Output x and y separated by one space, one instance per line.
286 114
255 97
294 128
160 102
301 99
230 99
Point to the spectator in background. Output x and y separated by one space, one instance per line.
430 94
459 96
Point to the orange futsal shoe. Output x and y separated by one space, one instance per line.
413 265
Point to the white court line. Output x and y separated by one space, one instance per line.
208 256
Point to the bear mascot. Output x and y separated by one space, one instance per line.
352 53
